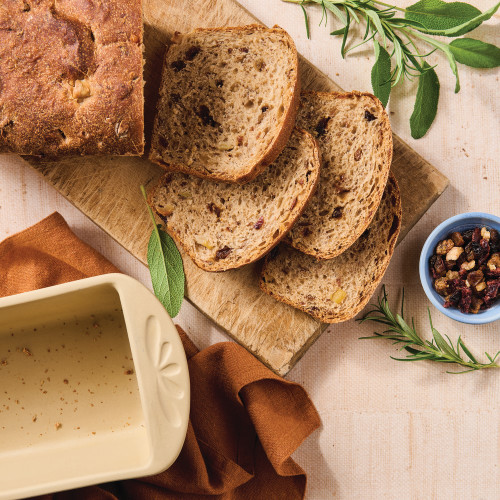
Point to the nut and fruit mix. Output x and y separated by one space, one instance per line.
465 268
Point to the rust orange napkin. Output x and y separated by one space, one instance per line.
245 422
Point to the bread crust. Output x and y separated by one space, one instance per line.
279 141
224 264
323 316
71 78
363 223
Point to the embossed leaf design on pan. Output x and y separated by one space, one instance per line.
160 352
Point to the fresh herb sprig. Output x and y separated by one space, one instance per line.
396 33
438 349
165 267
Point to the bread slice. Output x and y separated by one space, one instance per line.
336 290
228 102
223 226
355 140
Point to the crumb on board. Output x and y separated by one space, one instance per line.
65 381
129 372
27 351
34 418
58 425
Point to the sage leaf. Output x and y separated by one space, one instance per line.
475 53
447 19
381 74
426 102
166 268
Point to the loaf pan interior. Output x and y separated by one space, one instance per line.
69 397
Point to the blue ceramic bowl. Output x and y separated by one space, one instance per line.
459 223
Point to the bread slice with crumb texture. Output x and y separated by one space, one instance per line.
223 226
355 139
336 290
228 102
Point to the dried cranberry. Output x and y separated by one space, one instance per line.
465 301
476 235
485 251
491 290
493 273
259 223
222 253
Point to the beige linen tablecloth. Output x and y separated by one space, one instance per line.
391 431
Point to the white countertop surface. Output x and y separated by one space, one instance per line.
390 430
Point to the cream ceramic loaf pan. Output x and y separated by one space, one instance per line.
95 386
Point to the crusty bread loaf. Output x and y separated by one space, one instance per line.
355 140
71 77
228 102
223 226
336 290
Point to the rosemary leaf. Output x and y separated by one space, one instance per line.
438 350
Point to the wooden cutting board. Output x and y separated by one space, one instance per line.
107 191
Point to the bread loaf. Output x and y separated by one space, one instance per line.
71 77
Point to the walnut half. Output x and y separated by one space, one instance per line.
81 90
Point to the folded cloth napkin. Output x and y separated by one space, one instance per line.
245 422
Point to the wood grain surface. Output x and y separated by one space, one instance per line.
107 190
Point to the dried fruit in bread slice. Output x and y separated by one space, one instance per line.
336 290
355 140
228 102
224 226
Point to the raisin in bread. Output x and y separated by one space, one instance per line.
223 226
355 140
228 102
337 289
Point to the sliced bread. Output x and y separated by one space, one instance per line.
228 102
223 226
336 290
355 140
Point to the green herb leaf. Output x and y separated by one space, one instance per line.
424 18
381 74
426 103
438 350
447 19
439 15
306 18
166 268
341 31
475 53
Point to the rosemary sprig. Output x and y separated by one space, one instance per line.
438 349
396 39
